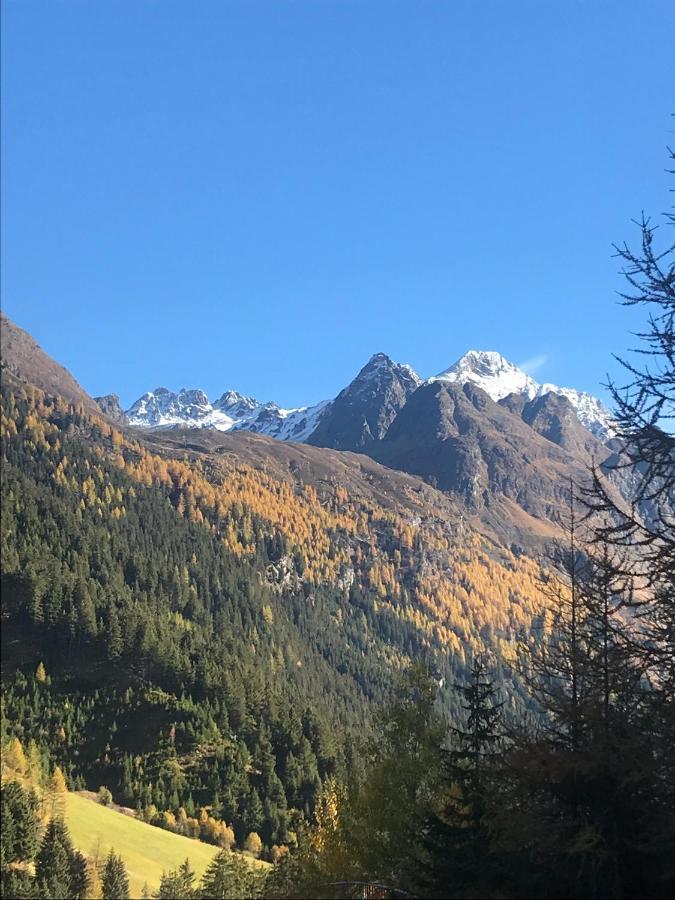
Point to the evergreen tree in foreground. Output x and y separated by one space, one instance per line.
229 877
18 810
582 811
115 879
455 842
177 884
60 870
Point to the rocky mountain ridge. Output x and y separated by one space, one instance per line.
162 408
365 408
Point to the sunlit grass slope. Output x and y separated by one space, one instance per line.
147 851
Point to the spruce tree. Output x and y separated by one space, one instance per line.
19 823
584 794
454 858
228 877
177 884
169 887
58 868
186 880
79 876
114 878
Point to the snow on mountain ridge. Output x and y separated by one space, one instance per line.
498 378
234 400
162 408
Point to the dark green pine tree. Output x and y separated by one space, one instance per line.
454 843
85 610
187 880
170 887
79 878
114 878
178 884
255 812
589 793
127 791
229 877
18 884
19 823
113 634
58 867
8 840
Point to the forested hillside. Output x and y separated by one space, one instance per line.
205 626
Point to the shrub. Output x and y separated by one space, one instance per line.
253 844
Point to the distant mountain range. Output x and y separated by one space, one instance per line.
162 408
355 417
483 432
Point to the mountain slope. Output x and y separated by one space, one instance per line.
22 356
212 609
385 412
147 851
455 435
553 416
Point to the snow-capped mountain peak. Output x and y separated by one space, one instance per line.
163 407
498 378
490 371
236 405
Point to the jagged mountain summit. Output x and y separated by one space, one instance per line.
162 408
490 371
498 378
362 413
110 405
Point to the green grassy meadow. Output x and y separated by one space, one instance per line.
147 851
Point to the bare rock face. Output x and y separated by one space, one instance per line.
110 405
554 417
361 414
459 439
515 403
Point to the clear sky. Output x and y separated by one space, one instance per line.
260 195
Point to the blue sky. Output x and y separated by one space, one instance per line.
260 195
